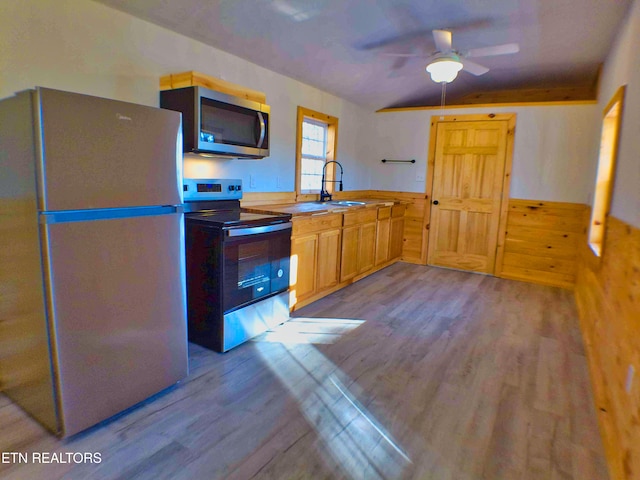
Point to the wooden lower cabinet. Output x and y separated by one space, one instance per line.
383 230
358 243
367 247
315 255
349 255
396 235
333 249
304 255
328 260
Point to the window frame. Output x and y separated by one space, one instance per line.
606 172
332 147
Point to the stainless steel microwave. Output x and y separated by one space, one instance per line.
219 124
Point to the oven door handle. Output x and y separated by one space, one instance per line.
238 232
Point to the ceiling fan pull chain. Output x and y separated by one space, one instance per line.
442 97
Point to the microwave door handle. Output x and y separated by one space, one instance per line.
263 129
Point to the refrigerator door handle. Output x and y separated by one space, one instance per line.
48 218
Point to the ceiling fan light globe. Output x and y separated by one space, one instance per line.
445 70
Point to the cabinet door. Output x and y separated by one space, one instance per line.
396 237
328 259
349 257
304 251
382 240
367 247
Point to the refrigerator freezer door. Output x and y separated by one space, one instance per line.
101 153
118 311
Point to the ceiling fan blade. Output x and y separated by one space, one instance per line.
442 39
473 67
388 54
406 38
399 62
494 50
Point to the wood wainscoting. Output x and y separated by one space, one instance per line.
608 298
542 242
267 198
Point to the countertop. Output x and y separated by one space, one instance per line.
315 208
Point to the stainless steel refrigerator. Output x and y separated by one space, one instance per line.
92 276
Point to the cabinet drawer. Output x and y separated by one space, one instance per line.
384 212
398 210
362 216
302 225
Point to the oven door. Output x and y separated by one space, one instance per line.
255 263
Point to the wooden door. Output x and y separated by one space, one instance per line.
468 179
328 259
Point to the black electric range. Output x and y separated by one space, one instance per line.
237 265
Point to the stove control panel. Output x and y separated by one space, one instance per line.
211 189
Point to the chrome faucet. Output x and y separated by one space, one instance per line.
324 195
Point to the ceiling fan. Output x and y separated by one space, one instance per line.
445 63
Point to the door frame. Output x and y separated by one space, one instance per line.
506 181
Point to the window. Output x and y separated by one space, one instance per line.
606 171
313 154
316 145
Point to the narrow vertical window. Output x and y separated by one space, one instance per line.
316 145
609 138
314 154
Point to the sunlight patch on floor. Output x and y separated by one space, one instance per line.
310 330
351 435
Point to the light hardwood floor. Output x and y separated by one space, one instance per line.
414 372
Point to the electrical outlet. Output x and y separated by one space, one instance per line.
252 181
629 383
419 178
278 182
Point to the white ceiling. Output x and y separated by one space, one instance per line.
328 43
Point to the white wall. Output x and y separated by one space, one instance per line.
623 67
86 47
554 150
83 46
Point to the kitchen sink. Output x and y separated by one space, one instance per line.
346 203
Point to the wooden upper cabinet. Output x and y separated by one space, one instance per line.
193 79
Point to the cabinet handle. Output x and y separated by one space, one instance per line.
435 202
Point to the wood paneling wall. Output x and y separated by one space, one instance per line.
541 245
608 298
267 198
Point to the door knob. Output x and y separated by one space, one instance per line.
435 202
